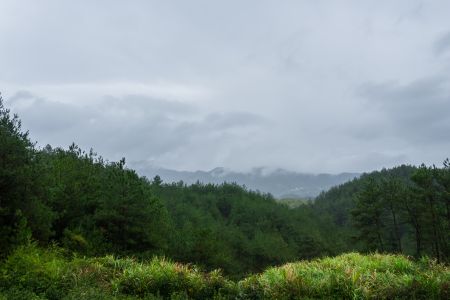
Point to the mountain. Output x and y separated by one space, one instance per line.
279 182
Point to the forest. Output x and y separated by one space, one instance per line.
68 212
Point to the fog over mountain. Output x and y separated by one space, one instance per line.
279 182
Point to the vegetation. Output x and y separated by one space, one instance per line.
401 210
48 274
351 276
59 205
33 273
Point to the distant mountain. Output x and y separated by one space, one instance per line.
278 182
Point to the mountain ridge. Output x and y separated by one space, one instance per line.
279 182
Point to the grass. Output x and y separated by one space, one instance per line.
36 273
48 274
352 276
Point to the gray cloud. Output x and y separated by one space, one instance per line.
48 116
139 127
417 111
313 86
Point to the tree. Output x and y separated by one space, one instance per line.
21 205
368 215
428 191
129 216
391 189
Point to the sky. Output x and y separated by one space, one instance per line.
308 86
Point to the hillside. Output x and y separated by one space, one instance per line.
82 211
93 207
338 201
405 209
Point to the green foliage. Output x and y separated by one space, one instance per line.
98 207
42 272
34 273
431 190
226 226
400 210
20 186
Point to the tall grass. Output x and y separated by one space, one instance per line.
35 273
49 274
351 276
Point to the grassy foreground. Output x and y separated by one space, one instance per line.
35 273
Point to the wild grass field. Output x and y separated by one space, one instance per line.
32 272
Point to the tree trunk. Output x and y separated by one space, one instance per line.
436 236
396 231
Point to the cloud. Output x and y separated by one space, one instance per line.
47 116
138 127
442 44
417 111
303 85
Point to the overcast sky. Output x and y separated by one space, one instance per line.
310 86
